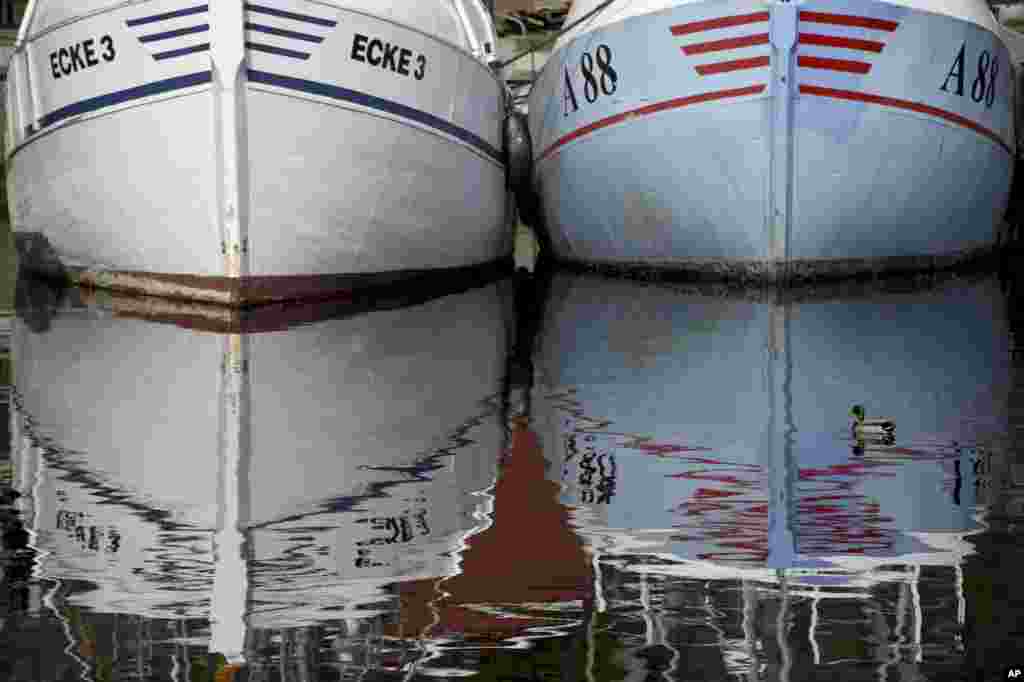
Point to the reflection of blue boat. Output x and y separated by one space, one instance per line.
714 429
321 449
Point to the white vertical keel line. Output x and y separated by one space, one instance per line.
230 577
227 54
915 598
812 631
961 603
599 602
749 635
645 604
783 35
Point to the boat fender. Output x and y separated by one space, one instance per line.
1018 97
519 155
518 150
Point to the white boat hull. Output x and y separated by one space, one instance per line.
747 140
210 156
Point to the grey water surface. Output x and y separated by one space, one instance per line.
566 477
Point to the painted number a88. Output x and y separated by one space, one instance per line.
982 87
599 78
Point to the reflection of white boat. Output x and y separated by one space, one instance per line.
734 138
359 388
321 451
714 429
248 151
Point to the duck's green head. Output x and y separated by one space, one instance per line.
857 412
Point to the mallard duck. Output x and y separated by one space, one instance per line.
869 427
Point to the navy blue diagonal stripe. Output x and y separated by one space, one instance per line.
280 51
283 33
175 33
138 92
290 15
202 47
199 9
379 103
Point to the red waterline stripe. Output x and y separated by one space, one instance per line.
848 20
833 64
721 22
904 104
836 41
651 109
727 44
735 65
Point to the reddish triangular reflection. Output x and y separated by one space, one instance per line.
529 555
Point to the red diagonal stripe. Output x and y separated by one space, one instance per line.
836 41
652 109
904 104
727 44
848 20
721 22
833 64
734 65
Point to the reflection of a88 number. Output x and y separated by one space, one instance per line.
89 536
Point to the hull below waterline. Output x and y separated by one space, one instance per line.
751 141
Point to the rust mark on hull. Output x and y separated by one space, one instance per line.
257 290
277 316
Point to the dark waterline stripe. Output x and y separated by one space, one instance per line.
199 9
290 15
287 82
121 96
202 47
175 33
283 33
280 51
378 103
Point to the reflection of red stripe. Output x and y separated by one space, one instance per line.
909 106
705 476
652 109
836 41
819 498
833 64
712 492
721 22
727 44
848 20
735 65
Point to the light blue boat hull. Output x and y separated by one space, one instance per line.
814 136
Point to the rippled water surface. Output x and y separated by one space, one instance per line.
567 478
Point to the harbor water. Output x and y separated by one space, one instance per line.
548 476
